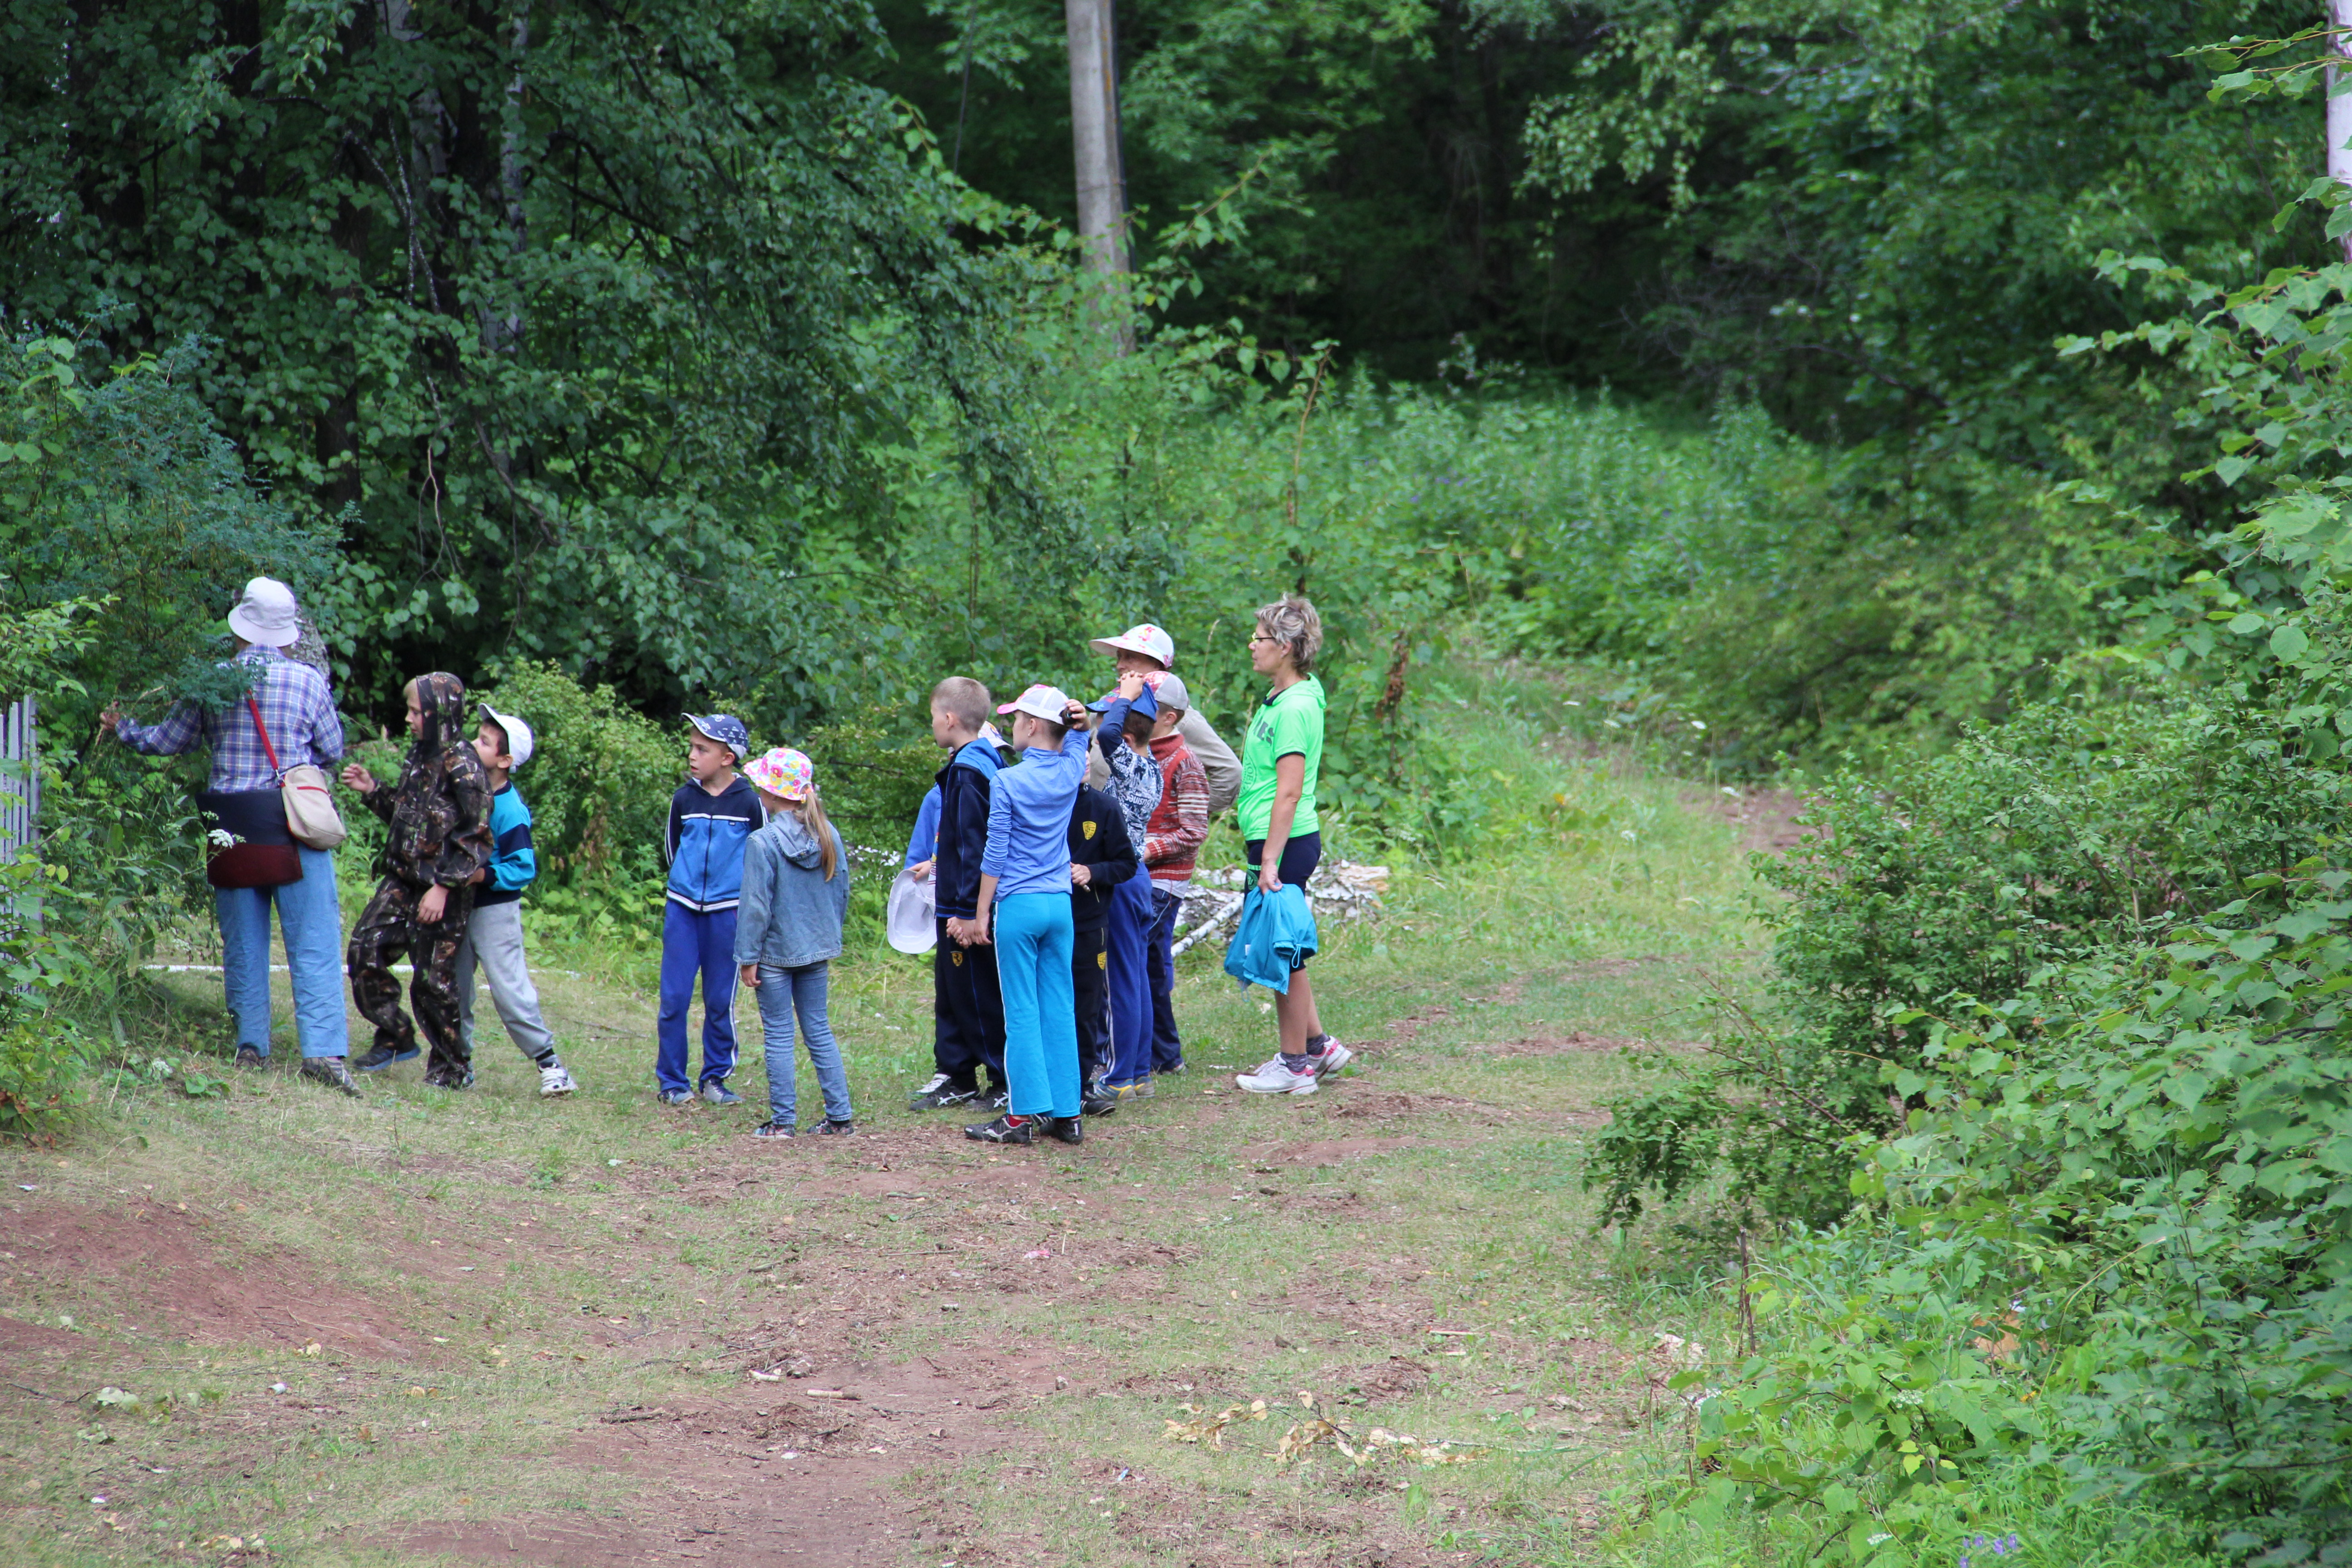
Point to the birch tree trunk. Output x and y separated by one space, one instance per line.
1093 136
2339 101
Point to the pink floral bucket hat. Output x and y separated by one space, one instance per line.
783 772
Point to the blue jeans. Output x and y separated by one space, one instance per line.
1167 1050
696 943
781 993
1130 983
312 924
1041 1021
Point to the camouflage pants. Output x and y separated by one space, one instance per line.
388 930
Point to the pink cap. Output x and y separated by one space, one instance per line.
1146 640
783 772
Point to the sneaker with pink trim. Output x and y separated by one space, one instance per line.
1278 1077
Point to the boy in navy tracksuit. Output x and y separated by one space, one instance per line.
712 818
968 1008
1102 859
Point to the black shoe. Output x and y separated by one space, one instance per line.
1065 1129
1004 1130
382 1058
996 1099
1177 1066
832 1129
1097 1101
332 1071
250 1057
939 1094
449 1078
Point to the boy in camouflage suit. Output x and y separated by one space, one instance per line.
439 814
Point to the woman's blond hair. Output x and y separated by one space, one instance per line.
1292 622
811 811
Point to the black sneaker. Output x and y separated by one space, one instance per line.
1004 1130
774 1130
939 1094
449 1078
332 1071
1097 1101
1065 1129
832 1129
250 1058
996 1099
382 1057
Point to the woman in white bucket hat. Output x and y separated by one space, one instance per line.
291 700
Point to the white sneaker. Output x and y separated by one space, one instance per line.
556 1079
1277 1077
1335 1057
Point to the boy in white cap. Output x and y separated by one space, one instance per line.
1024 897
1148 650
494 937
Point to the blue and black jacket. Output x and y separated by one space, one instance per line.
513 864
1100 842
964 787
705 843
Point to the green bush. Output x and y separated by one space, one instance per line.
2040 843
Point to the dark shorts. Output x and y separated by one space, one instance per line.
1300 855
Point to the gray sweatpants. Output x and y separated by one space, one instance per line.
494 940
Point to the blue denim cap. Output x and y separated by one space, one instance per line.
1144 703
726 729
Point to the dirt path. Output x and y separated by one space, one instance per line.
421 1328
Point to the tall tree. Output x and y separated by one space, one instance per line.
584 320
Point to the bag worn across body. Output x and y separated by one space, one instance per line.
310 815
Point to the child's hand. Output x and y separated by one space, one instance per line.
1074 715
359 778
1130 685
1081 875
922 870
429 907
752 975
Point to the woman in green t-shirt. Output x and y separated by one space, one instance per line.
1280 759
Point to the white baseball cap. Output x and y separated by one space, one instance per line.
520 743
265 615
1146 640
1041 701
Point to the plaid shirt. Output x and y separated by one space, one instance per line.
296 705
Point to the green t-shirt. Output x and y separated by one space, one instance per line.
1289 722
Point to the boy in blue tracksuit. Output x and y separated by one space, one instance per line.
1025 869
711 818
493 938
967 1008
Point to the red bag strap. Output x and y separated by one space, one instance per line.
267 750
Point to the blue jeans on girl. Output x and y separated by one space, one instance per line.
783 993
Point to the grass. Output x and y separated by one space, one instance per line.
510 1330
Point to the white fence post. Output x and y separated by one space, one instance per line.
20 788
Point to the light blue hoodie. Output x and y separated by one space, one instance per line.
1029 819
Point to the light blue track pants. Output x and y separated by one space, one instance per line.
1041 1012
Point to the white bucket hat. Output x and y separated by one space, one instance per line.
911 919
1146 639
266 617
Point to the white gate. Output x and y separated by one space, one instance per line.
20 778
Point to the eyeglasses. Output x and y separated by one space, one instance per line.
1261 637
